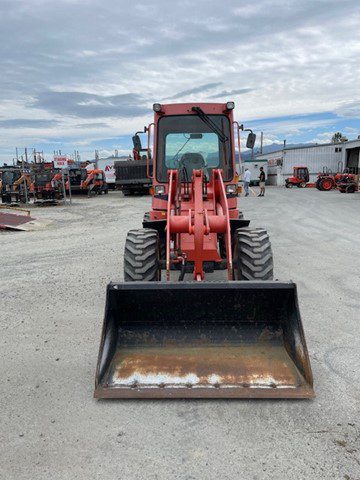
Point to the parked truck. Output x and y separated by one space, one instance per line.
133 175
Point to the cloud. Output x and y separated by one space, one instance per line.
92 125
349 110
107 64
87 105
324 137
199 89
293 126
228 94
28 123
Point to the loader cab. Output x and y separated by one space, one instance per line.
9 176
188 141
77 175
43 178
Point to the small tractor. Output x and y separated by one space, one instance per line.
327 180
238 338
299 178
95 183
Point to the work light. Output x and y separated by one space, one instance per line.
230 105
231 189
157 107
159 190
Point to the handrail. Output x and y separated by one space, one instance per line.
148 156
224 204
172 175
239 144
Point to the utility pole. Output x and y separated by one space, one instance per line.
261 142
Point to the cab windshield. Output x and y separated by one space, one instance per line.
185 142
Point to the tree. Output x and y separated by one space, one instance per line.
338 137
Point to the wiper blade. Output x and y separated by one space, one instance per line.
207 120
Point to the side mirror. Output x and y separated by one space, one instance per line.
250 142
137 142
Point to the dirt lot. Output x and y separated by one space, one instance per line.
52 303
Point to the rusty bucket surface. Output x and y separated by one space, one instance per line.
203 340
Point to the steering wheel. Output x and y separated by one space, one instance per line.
192 161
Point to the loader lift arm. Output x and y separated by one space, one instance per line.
198 222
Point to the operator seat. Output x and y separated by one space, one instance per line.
193 161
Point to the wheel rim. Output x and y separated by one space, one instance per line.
327 184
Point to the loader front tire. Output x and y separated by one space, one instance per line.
252 254
141 256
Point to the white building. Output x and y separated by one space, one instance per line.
334 156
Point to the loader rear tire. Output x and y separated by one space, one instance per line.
252 254
141 256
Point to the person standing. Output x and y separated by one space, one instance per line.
262 179
247 179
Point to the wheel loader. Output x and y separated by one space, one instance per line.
15 185
167 337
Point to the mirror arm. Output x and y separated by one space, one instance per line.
241 127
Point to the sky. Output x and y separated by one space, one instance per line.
83 74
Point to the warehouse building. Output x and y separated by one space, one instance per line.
334 156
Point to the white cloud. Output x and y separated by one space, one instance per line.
274 57
324 137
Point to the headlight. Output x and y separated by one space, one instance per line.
159 190
157 107
230 105
231 189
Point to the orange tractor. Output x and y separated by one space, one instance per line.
242 337
327 180
299 178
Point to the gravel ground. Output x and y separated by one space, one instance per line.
52 303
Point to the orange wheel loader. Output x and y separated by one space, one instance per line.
238 338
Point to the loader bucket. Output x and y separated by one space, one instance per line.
203 340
